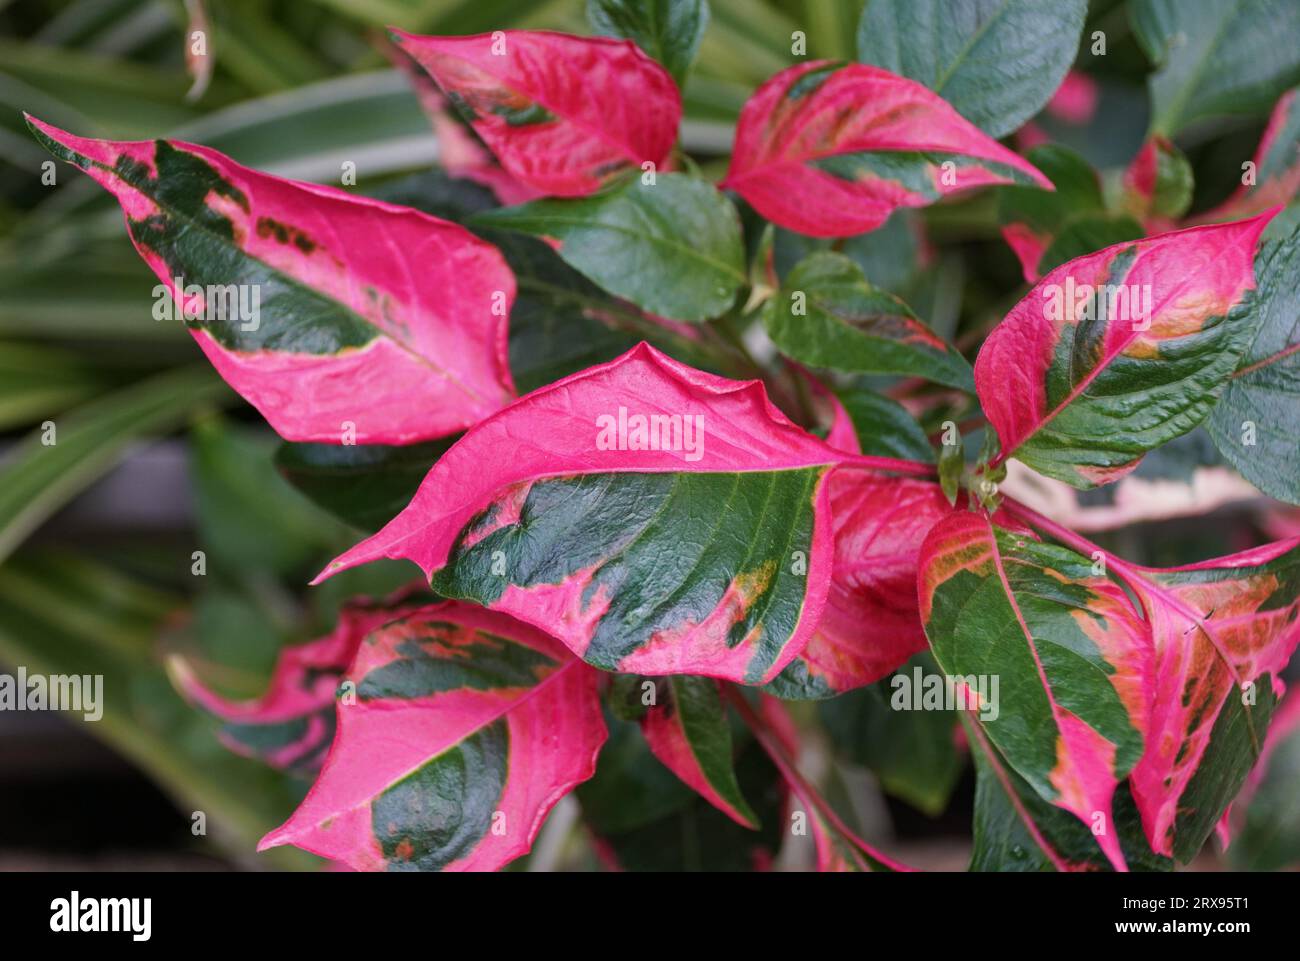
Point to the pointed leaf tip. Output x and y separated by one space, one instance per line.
466 729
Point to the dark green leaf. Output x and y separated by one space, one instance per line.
364 484
884 427
650 821
1216 58
668 30
997 61
826 314
1256 423
672 247
911 751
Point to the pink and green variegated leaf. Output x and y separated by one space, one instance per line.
830 149
689 732
320 308
290 726
655 518
871 624
1223 631
460 729
1276 166
563 114
1072 659
1117 352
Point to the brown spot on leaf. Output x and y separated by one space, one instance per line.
284 233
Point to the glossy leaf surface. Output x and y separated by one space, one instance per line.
997 61
1071 658
647 544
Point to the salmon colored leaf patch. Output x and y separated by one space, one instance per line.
1223 630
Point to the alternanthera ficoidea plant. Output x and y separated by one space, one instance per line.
694 458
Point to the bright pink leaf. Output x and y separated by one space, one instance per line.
1028 245
464 728
563 114
336 316
460 153
830 149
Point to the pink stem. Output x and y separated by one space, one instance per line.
898 466
973 728
798 783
